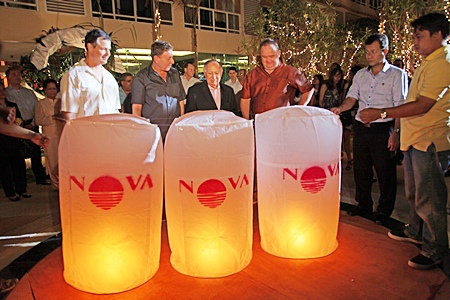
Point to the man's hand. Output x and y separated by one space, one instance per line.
40 139
369 115
336 110
7 115
393 141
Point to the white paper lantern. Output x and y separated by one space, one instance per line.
111 184
298 178
208 167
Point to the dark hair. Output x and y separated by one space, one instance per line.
400 61
381 38
232 69
355 69
14 67
433 22
321 79
93 35
123 77
330 81
159 47
186 64
49 80
269 41
210 61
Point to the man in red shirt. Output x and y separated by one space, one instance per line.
273 84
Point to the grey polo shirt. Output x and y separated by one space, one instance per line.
160 99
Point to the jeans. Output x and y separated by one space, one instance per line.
426 193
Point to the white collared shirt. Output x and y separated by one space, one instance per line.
216 95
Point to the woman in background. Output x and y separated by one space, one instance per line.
46 109
317 83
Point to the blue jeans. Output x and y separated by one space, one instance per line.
426 193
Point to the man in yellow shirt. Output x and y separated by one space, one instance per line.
425 142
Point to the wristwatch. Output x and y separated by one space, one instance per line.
383 114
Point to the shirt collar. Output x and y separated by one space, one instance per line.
437 52
386 67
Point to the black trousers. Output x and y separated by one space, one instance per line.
370 151
13 173
36 162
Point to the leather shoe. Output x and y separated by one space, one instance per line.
381 219
25 195
14 198
45 182
359 211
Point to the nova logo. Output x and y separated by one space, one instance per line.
212 192
106 192
312 179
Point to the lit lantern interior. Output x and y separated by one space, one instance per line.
209 159
298 181
111 181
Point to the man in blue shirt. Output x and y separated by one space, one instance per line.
380 85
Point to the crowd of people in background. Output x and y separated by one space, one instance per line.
373 104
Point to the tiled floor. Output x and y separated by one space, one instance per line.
40 215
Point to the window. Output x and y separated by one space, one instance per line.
362 2
217 15
375 4
132 10
75 7
24 4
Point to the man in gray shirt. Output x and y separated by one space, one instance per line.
26 102
158 93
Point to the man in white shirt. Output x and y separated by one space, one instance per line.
88 89
233 81
26 102
188 79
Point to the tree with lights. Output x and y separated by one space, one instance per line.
307 35
191 13
395 19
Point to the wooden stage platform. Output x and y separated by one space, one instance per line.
366 265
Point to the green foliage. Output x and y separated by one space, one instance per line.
307 35
395 19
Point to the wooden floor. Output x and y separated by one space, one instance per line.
366 265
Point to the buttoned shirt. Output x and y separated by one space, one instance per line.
85 94
237 86
268 91
386 89
25 99
215 92
431 80
188 83
159 98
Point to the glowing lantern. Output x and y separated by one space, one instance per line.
111 184
298 167
208 167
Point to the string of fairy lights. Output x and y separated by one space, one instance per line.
311 57
158 25
315 55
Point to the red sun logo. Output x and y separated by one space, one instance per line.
313 179
211 193
106 192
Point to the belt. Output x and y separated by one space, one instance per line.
378 124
